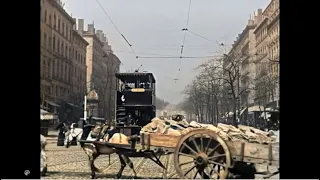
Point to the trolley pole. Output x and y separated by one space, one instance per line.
85 108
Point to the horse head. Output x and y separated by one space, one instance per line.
71 134
99 131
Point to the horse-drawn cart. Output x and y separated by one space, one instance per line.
201 153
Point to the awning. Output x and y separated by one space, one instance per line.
72 104
48 117
255 108
52 103
43 112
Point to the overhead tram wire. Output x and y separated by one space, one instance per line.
176 57
203 37
105 12
184 39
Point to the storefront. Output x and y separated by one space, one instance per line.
46 121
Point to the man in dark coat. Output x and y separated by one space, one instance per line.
62 127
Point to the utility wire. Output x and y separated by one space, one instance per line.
176 57
143 53
203 37
105 12
184 39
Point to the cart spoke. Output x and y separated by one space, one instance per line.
189 170
201 144
195 175
181 164
214 149
188 155
195 145
208 145
186 145
216 163
216 156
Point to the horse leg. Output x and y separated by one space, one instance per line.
91 164
123 165
92 155
130 164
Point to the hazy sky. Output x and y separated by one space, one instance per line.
155 27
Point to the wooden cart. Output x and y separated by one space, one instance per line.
210 157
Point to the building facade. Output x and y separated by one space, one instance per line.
102 65
79 68
241 57
267 57
58 47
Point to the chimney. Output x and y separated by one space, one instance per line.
100 35
258 17
251 22
80 24
105 39
259 12
75 25
91 28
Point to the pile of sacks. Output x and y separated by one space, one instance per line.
226 132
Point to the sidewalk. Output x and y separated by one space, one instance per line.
52 136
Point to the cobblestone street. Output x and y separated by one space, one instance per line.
72 163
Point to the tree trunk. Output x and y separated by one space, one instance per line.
235 123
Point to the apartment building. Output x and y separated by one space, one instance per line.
61 53
242 54
267 56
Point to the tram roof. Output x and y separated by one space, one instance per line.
132 77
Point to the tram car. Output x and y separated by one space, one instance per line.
136 99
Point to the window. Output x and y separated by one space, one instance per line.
62 49
67 32
57 91
49 67
50 23
50 42
45 16
70 33
54 43
53 67
59 25
66 51
45 40
58 68
54 21
69 53
65 72
58 46
61 70
63 29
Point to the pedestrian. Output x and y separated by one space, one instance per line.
62 127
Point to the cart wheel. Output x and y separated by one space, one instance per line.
202 154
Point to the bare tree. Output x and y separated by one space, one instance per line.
265 86
218 85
